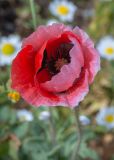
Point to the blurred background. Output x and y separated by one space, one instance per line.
41 133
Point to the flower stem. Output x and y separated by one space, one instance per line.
79 132
52 128
33 12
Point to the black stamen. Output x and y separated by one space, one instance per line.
62 52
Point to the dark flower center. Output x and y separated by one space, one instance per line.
58 59
59 63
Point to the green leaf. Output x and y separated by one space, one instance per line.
88 134
71 141
86 152
40 156
34 147
13 151
55 149
21 130
4 113
4 148
7 114
112 158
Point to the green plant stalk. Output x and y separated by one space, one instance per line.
33 12
53 133
52 128
75 155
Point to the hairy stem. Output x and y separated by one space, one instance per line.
75 155
33 12
52 128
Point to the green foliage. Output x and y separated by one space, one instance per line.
32 140
7 115
112 157
21 130
103 20
86 152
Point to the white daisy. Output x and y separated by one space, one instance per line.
106 47
45 115
9 47
84 120
105 117
24 115
63 9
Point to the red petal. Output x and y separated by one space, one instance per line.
78 91
54 43
39 57
66 77
22 71
43 34
22 75
37 96
91 56
92 62
43 76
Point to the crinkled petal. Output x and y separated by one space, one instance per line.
78 91
42 76
91 56
39 57
44 33
85 40
37 96
54 43
92 62
66 77
22 71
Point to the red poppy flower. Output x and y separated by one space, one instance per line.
55 66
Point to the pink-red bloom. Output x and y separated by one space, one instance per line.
55 66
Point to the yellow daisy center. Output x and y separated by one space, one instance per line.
14 96
8 49
63 10
109 118
110 50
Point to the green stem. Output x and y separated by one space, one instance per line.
75 155
52 128
53 132
33 12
